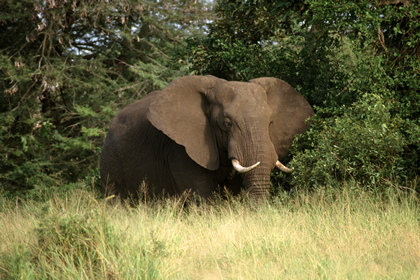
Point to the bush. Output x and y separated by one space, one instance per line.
366 144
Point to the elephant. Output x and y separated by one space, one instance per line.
200 133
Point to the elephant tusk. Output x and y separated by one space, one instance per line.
238 167
283 168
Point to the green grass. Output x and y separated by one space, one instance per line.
346 234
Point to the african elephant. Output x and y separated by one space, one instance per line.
193 134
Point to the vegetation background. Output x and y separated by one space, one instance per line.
68 66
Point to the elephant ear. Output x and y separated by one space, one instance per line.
290 111
179 111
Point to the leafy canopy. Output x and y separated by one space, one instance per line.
67 66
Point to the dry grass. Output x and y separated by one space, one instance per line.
324 235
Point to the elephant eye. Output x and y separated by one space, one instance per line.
227 123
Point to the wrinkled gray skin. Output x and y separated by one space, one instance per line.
185 136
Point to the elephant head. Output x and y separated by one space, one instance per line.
239 124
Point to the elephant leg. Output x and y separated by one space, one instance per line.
188 175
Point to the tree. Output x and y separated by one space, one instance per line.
66 67
240 43
371 134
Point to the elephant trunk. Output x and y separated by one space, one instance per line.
257 181
253 148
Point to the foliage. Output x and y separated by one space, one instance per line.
366 144
356 62
374 138
67 66
240 44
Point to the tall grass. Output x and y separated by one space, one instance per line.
346 234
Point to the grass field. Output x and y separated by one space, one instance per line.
345 234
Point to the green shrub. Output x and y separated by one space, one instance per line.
365 144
